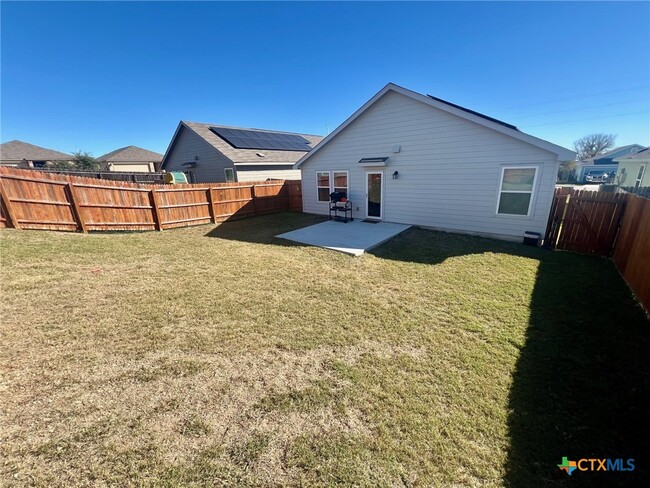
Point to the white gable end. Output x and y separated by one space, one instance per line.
449 168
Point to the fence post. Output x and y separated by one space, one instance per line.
9 211
154 210
253 196
211 205
287 196
75 208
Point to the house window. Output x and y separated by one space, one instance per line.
323 184
341 182
516 190
230 174
639 176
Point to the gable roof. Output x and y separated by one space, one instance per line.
19 150
465 113
241 156
640 157
131 154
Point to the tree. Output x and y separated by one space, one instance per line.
84 161
566 172
593 145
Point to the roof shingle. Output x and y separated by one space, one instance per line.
19 150
131 154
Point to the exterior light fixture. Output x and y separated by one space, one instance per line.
396 175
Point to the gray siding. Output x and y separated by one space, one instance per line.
449 169
210 164
262 173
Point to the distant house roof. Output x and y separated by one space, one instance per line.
131 154
243 156
462 112
19 150
640 157
610 153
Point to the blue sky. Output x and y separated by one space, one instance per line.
98 76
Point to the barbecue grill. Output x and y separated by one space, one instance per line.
340 207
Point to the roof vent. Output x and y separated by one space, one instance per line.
261 155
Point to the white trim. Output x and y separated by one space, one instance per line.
163 163
532 192
639 176
318 187
381 202
563 154
263 163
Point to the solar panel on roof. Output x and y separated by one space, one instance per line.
254 139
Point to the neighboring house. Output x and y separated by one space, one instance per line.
409 158
215 153
131 159
25 155
633 169
603 162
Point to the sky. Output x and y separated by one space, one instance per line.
96 76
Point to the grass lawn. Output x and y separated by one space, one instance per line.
218 355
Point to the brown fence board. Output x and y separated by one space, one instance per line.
38 200
584 221
632 249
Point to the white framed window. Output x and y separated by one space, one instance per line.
639 176
340 182
323 185
230 174
516 190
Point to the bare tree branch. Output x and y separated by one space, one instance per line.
593 145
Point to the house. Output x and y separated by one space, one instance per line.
409 158
25 155
633 169
214 153
132 159
603 162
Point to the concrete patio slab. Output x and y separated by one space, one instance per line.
352 238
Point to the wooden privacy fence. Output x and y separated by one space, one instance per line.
35 200
632 249
615 225
584 221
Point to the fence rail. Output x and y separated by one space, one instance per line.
36 200
132 176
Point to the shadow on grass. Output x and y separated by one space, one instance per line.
432 247
263 229
580 386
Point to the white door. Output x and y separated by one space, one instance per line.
375 195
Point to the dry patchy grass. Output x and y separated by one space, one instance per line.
223 356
